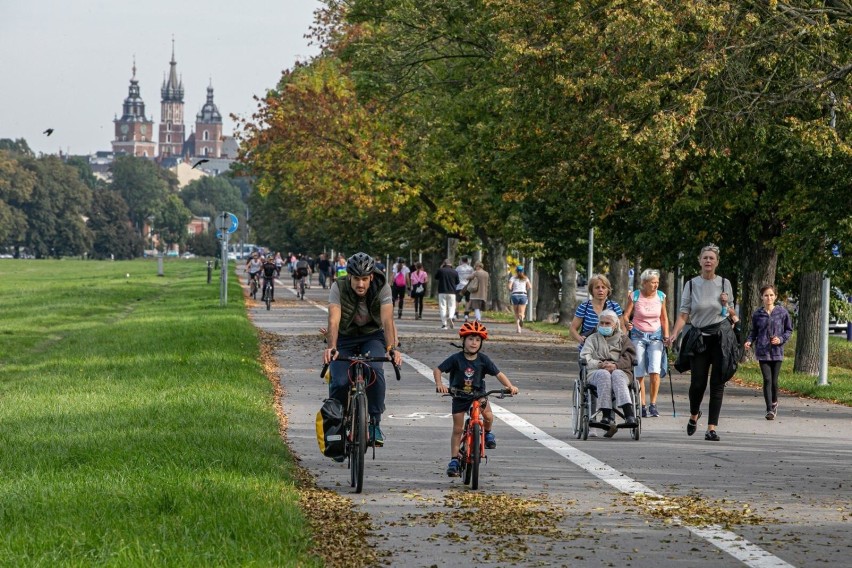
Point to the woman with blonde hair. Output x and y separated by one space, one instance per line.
587 314
707 304
649 328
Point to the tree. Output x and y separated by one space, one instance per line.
171 220
209 195
16 187
55 210
110 224
141 185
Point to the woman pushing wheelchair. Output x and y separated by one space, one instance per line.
610 356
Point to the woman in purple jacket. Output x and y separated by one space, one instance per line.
771 328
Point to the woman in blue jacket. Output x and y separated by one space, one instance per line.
771 328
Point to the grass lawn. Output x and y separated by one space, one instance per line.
838 390
137 426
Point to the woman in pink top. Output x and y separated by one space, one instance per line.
649 328
418 288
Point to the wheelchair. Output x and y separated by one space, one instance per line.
585 414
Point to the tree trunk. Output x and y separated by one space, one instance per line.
807 333
618 278
568 302
452 250
547 296
759 267
668 284
496 266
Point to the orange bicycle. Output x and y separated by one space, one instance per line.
472 448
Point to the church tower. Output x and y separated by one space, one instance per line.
172 129
208 128
133 132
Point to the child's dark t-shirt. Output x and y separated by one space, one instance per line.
466 375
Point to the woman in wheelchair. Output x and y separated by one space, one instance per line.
610 356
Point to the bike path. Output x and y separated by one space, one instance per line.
794 470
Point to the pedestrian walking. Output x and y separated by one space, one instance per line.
447 279
418 288
771 328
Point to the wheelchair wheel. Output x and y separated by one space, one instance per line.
637 431
584 421
576 409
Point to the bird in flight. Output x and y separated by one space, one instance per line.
49 131
199 162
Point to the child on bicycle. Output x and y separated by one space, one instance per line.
467 371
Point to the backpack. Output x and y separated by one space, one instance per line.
399 279
302 268
660 295
330 430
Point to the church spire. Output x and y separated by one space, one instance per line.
172 89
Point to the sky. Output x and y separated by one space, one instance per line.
67 64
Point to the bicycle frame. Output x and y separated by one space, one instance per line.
355 418
472 446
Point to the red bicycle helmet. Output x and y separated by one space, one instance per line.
473 328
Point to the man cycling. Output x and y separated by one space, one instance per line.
269 270
360 320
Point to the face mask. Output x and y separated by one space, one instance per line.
605 331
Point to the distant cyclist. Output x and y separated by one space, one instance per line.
253 266
360 320
269 270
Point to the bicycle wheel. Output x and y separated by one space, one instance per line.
465 456
267 294
359 442
585 417
576 409
302 289
475 456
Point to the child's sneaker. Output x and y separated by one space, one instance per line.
652 410
454 468
490 440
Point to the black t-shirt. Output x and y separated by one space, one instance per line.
268 269
467 375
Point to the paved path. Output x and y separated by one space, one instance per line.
569 500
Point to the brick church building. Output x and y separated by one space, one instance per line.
134 131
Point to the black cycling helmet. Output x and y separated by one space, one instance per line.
360 264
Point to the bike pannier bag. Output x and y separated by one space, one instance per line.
330 430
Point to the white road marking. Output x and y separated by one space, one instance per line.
746 552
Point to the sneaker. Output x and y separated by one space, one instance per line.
652 411
454 468
490 440
444 326
339 459
644 412
711 435
376 435
770 415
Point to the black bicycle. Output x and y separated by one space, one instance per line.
355 419
267 293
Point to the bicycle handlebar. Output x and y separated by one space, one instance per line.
364 359
458 393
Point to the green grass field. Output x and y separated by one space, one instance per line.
137 427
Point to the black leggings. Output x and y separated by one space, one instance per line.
398 292
418 304
701 367
770 370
